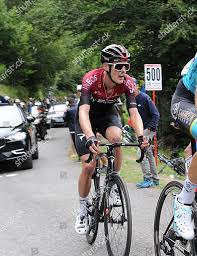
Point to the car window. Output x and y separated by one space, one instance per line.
10 116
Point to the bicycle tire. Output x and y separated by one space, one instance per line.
168 242
94 218
109 221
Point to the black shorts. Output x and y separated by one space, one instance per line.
99 124
183 109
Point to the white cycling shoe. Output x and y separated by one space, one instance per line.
81 225
183 224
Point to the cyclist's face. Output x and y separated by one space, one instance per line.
118 71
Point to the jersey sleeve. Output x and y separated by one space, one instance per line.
129 92
85 90
189 79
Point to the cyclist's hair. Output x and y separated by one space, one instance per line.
114 52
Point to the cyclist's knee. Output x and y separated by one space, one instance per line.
114 139
193 128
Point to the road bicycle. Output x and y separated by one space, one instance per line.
166 241
102 207
176 163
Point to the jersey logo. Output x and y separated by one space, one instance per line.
81 136
175 108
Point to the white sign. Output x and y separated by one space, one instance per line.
153 77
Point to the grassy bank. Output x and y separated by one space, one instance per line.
131 171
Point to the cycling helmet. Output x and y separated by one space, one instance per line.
114 52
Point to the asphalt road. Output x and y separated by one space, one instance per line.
38 207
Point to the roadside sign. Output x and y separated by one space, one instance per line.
153 77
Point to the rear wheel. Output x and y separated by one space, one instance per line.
166 242
117 218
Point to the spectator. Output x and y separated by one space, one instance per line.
70 118
30 105
150 117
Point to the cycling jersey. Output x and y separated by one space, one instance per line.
190 78
94 93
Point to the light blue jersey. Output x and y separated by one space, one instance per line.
190 78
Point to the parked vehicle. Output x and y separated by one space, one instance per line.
41 121
18 140
57 114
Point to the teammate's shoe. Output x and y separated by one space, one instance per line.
183 224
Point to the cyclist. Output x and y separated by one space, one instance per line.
184 111
96 112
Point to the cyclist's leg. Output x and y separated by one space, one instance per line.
185 113
113 134
111 128
84 182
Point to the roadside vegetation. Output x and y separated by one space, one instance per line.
48 45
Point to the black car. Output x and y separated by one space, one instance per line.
56 114
18 141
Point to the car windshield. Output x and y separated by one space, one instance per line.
9 117
61 107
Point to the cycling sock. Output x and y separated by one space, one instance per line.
83 199
83 205
187 194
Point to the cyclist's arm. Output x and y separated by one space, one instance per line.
137 123
84 120
136 119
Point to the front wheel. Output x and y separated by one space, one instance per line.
93 209
117 218
166 242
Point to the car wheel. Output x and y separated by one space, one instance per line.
28 164
36 154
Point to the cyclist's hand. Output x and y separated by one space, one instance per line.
91 144
143 141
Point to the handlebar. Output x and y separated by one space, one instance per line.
119 144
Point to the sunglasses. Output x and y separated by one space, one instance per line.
119 66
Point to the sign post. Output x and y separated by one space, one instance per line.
153 82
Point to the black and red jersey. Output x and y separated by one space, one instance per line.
94 93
